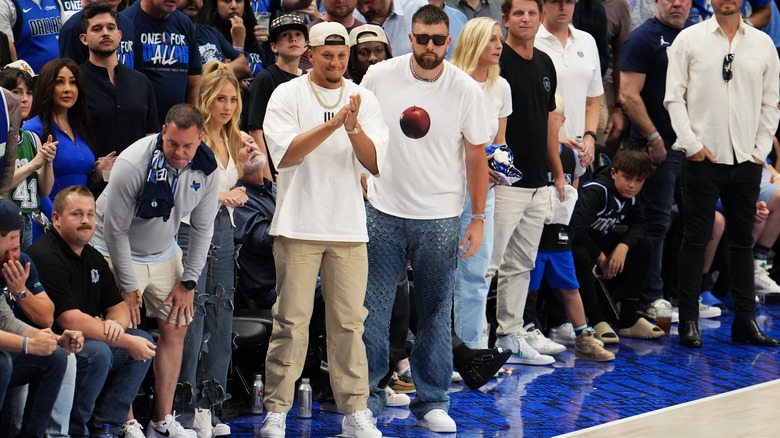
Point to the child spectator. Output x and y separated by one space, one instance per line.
554 262
610 234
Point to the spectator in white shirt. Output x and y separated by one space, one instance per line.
722 95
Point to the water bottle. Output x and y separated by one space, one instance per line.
258 391
304 399
106 432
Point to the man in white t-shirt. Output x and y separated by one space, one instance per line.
576 60
322 132
438 129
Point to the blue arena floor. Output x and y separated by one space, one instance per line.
572 394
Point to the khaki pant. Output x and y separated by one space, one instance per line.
344 270
519 220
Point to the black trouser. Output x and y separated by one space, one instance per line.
737 186
632 278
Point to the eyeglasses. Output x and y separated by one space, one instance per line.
728 73
438 40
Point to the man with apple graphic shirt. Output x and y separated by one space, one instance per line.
414 208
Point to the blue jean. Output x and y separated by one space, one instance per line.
44 376
657 200
432 247
207 347
471 287
60 414
107 382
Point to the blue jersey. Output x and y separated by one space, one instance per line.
37 31
168 54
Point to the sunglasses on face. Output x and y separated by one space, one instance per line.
438 40
727 72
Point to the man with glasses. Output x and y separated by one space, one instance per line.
438 129
723 106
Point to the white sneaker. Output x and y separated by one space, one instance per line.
522 353
395 399
274 425
221 429
201 423
360 424
764 283
456 377
168 428
651 310
437 420
539 342
706 311
131 429
563 334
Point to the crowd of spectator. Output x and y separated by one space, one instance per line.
457 183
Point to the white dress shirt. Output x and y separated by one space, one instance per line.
731 119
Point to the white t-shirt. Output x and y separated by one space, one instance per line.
498 103
579 75
320 198
425 177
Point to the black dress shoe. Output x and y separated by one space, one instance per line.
689 334
748 332
478 366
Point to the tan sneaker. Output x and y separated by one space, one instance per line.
586 348
399 385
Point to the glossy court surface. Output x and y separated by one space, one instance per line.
572 395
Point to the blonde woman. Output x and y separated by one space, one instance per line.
207 347
477 52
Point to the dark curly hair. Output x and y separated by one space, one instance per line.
43 100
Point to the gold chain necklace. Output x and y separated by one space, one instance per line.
330 107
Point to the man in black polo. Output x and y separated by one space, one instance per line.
115 358
120 100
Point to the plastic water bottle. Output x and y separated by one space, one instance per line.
106 432
304 399
258 391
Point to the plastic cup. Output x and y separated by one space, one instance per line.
663 319
263 20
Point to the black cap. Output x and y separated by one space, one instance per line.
285 22
10 216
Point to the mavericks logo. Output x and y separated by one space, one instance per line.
546 82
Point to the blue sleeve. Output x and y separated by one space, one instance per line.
755 4
227 48
70 44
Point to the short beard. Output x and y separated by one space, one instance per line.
426 63
333 81
100 53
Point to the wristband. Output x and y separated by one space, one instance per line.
239 49
479 216
590 133
653 136
24 345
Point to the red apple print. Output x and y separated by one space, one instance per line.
415 122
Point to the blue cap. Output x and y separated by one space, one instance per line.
10 216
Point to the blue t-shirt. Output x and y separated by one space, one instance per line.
34 286
645 51
168 54
36 32
457 21
71 47
213 45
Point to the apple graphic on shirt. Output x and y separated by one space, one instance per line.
415 122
